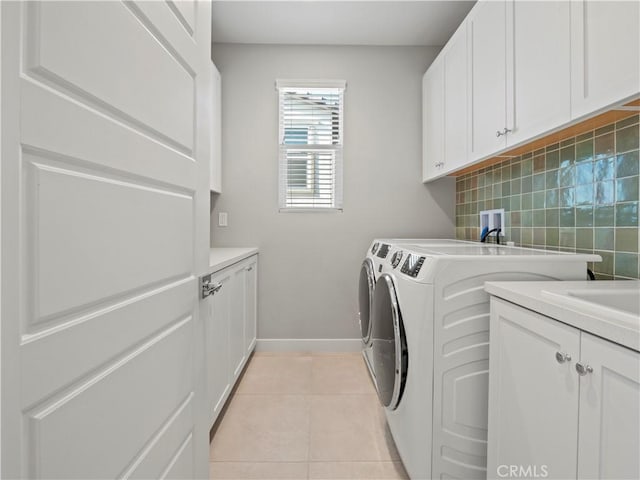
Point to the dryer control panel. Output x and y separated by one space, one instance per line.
383 251
412 265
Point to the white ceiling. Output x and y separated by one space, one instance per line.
330 22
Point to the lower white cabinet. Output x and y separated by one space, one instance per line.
609 433
251 305
562 403
230 329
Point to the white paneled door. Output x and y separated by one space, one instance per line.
104 224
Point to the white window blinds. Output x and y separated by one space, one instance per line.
310 139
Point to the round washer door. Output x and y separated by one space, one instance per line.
365 298
390 356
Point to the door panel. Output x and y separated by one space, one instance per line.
251 304
215 183
433 121
366 285
237 320
63 38
104 233
461 371
52 123
456 103
609 434
537 98
605 60
79 410
488 82
185 11
389 345
74 240
528 384
218 340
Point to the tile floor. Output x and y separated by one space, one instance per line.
304 416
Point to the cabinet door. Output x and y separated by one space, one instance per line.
538 68
216 132
456 103
237 320
488 83
533 398
251 298
432 121
609 435
605 57
217 346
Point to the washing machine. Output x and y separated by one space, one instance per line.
372 266
430 346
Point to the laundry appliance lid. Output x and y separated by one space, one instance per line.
483 250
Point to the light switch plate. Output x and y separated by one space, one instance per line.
222 219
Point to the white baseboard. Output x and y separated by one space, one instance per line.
310 345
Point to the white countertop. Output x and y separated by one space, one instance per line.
220 258
551 299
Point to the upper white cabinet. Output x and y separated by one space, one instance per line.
456 105
538 68
445 108
605 57
433 121
520 72
215 178
532 67
487 27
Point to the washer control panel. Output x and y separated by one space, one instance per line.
383 251
396 258
412 265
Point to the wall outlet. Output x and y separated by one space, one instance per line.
222 219
492 219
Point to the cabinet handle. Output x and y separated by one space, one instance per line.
209 289
583 369
562 357
439 164
249 268
503 132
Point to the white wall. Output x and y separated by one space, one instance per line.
309 262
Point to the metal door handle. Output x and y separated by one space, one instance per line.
562 357
583 369
207 287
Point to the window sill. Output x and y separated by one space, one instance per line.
310 210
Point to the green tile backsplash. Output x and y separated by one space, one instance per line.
579 195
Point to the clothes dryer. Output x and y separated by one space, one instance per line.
430 347
376 257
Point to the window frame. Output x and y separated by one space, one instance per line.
284 191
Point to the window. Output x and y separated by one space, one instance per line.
310 139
